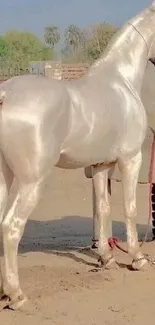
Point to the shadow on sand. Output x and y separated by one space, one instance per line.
67 236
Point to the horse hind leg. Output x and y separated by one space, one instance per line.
6 178
129 169
26 197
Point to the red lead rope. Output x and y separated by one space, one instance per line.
114 241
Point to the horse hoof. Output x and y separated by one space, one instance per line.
18 303
108 264
140 264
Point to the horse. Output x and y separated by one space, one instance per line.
100 118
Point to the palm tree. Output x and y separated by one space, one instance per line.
51 35
73 36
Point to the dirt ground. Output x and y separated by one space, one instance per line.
58 277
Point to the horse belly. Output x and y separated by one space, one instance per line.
86 154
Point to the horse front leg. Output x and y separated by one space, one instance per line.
130 172
101 213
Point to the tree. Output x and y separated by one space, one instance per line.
98 40
51 35
74 49
23 48
26 45
73 36
86 45
4 47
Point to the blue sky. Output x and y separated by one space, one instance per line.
34 15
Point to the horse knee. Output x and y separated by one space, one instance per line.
103 209
131 212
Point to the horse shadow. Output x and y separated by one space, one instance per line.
67 236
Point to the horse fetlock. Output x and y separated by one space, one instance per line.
11 290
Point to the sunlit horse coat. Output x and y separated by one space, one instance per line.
148 98
71 125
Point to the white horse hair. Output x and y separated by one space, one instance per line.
101 118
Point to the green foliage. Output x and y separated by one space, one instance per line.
73 36
4 47
26 45
99 39
51 35
75 39
18 48
87 45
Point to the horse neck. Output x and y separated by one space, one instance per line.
127 54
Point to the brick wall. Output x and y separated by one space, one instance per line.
66 71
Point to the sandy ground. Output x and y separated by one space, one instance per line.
57 276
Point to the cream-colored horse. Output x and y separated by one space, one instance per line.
71 125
